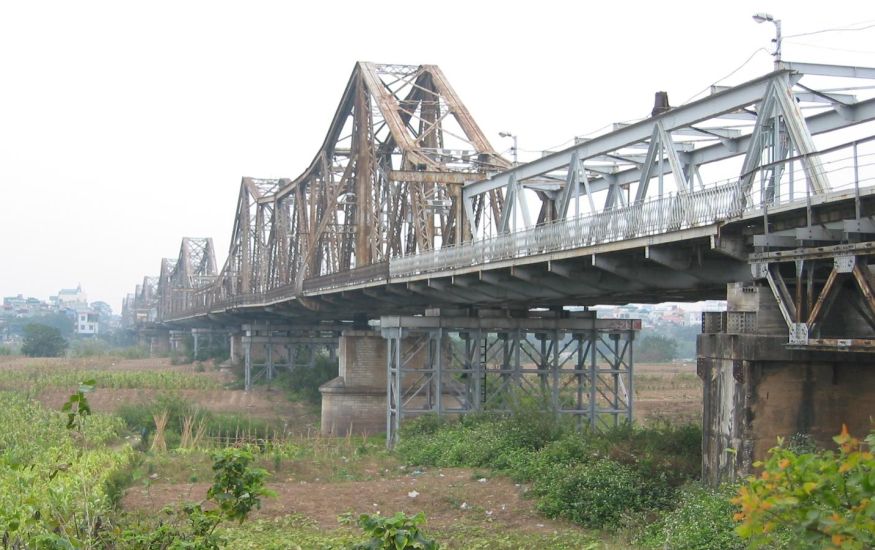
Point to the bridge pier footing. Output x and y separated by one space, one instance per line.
158 342
757 387
355 401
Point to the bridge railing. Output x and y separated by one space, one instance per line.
365 274
670 213
850 167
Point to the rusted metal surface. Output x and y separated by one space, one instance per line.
848 328
365 274
406 178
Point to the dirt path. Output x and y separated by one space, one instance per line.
447 496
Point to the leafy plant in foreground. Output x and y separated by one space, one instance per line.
77 407
237 490
819 499
237 487
398 532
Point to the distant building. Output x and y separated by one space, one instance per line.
19 306
70 298
87 323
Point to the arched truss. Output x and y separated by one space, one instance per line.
387 181
404 172
181 281
141 306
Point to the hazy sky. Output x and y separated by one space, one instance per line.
124 126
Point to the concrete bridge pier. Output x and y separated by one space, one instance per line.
355 401
177 340
235 346
157 340
267 348
759 386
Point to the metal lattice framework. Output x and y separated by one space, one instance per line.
406 186
825 295
581 365
141 307
762 122
180 279
386 182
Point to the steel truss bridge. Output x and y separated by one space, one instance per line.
407 206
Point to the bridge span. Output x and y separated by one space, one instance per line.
762 194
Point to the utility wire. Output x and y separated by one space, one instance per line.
868 25
829 47
836 29
746 61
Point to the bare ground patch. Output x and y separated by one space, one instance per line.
447 496
669 391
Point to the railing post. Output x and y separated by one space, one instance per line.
856 184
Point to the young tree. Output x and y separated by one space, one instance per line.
43 341
657 349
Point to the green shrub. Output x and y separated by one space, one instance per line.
47 474
572 448
426 424
237 487
816 499
132 352
140 417
593 494
670 453
592 478
398 532
701 520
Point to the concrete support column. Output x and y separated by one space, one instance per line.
355 401
159 343
177 340
235 339
757 388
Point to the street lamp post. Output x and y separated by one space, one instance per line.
514 149
764 17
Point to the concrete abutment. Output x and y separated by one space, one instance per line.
757 388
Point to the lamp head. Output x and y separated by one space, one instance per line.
505 134
763 17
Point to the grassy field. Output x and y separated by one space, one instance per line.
316 480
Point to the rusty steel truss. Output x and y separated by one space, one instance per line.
176 285
407 201
386 182
826 295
